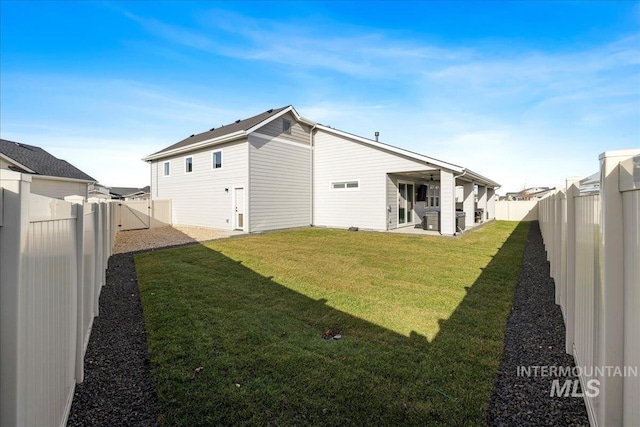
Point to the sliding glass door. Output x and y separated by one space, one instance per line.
406 198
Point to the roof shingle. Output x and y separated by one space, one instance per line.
40 161
238 125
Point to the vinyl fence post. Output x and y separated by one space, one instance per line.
572 193
611 302
79 365
15 190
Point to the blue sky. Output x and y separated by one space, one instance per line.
526 93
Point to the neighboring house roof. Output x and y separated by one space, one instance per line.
241 128
128 191
35 160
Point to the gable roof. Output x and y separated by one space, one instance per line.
35 160
237 129
241 128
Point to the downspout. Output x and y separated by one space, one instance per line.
464 172
455 220
311 171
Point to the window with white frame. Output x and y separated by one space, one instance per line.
166 168
188 165
216 159
433 195
286 126
345 185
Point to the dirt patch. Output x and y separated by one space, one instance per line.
154 238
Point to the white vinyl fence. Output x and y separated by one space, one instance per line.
593 246
517 210
53 257
141 214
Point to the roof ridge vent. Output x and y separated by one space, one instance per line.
212 129
270 111
238 121
192 135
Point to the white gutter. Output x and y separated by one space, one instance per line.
60 178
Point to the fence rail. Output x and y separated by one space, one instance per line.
593 246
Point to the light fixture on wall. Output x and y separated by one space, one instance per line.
431 178
226 190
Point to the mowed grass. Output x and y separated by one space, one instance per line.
235 327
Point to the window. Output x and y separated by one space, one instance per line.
345 185
166 168
433 196
188 165
286 126
216 160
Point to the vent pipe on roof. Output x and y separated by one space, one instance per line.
377 135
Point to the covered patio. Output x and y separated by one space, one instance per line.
450 201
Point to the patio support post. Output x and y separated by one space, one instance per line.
447 203
468 203
491 203
482 201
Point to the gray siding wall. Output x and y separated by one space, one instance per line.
338 159
280 179
199 198
299 131
57 189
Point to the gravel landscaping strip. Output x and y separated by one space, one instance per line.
534 337
117 388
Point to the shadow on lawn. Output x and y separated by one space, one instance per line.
230 346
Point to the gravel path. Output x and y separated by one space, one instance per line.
534 337
139 240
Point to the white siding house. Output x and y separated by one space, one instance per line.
279 170
50 176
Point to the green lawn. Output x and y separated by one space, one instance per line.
235 327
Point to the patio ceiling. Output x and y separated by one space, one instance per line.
434 175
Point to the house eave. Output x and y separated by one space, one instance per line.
60 178
18 164
203 144
479 179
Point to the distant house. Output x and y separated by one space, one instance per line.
533 193
51 177
129 193
278 170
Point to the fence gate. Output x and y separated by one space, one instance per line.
134 215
